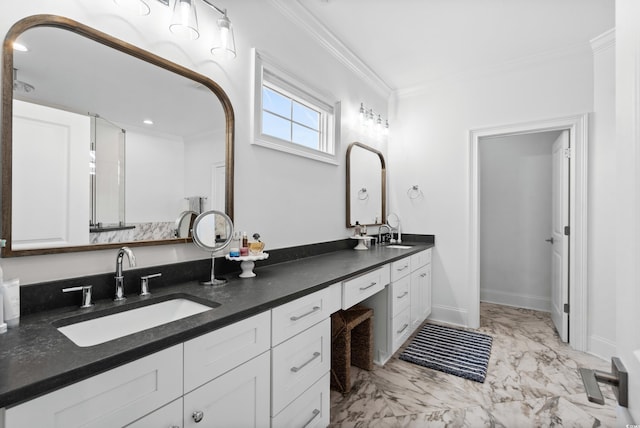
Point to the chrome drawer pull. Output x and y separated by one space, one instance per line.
402 268
402 295
368 286
315 412
297 369
402 329
296 318
423 275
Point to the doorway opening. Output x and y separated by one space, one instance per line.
576 199
524 188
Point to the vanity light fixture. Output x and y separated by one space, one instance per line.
373 121
19 85
184 23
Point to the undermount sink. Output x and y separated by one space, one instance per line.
399 247
102 329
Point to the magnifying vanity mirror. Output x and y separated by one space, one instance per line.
213 231
366 186
105 144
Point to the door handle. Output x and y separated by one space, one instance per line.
550 240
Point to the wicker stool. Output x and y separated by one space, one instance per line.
351 343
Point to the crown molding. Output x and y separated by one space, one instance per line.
301 16
604 41
504 67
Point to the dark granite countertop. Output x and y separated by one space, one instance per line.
36 358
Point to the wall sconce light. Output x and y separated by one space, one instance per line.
368 119
184 23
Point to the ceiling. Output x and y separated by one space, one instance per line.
407 44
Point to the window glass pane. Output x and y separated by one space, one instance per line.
275 102
276 126
306 137
306 116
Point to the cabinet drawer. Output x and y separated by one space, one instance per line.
212 354
357 289
400 329
114 398
298 363
400 293
293 317
420 259
400 268
309 410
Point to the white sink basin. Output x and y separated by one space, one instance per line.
103 329
399 247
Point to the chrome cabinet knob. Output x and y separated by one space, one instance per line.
197 416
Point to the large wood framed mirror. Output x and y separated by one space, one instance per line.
80 169
366 186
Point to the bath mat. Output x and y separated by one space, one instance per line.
449 350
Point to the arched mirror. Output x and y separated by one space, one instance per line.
104 144
366 186
213 231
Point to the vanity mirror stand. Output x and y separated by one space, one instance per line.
213 231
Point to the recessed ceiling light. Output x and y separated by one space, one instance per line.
20 47
148 122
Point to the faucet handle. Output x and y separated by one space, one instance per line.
144 283
86 294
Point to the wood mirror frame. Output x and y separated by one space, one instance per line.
6 143
383 188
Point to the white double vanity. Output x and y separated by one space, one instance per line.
268 369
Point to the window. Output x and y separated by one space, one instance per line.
291 116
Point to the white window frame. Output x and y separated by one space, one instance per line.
266 71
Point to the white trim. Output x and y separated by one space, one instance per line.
518 300
604 41
450 315
263 65
601 347
300 15
578 134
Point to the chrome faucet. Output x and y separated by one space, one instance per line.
380 232
119 275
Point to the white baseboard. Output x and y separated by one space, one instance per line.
517 300
601 347
449 315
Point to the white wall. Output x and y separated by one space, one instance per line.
429 146
602 208
515 218
201 153
276 194
155 176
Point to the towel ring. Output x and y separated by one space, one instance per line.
363 194
414 192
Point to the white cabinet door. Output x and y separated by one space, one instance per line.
239 398
169 416
420 296
310 410
112 399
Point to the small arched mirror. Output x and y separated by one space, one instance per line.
366 186
213 231
184 224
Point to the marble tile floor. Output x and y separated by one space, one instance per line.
532 381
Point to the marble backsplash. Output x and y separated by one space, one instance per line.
140 232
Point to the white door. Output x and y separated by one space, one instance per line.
559 241
218 175
627 221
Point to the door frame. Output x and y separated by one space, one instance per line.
578 127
